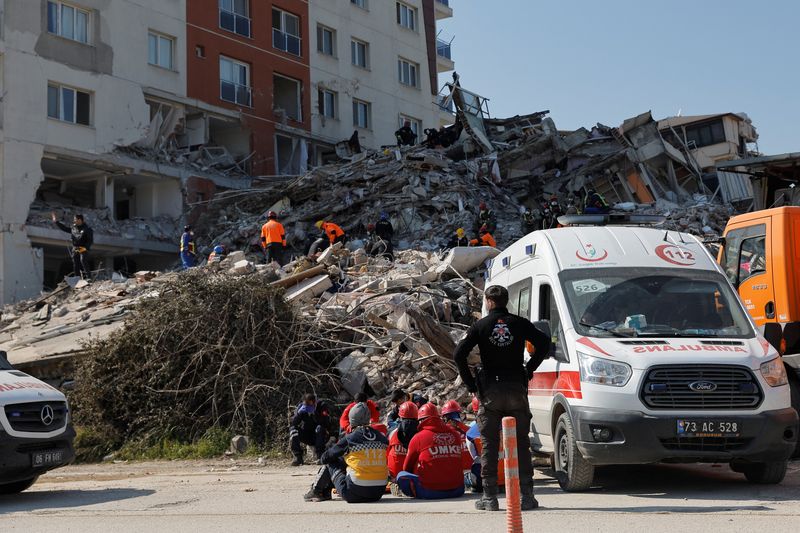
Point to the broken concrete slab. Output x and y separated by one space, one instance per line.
461 260
309 288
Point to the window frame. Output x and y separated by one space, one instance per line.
354 43
237 85
732 250
367 115
159 37
59 29
411 16
237 18
321 29
299 84
60 107
283 15
414 122
412 72
361 4
547 303
322 106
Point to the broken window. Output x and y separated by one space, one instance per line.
287 97
235 81
286 31
408 72
416 125
68 104
360 3
160 50
705 134
326 40
291 155
359 50
362 114
406 16
234 16
327 103
68 21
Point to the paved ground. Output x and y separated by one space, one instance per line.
243 496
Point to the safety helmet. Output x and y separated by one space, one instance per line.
408 410
370 227
451 406
219 249
475 404
319 224
460 232
482 206
427 411
272 214
384 215
483 229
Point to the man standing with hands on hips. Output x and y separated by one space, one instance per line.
501 382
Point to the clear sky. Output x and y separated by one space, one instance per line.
604 61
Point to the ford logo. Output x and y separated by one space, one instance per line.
703 386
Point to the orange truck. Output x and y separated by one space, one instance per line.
760 254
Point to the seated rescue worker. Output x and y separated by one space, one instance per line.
451 415
458 239
473 480
355 466
309 426
433 467
485 238
361 397
400 437
399 397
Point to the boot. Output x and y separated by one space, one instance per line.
488 502
528 502
313 496
297 461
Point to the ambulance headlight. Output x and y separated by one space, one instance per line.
774 373
603 371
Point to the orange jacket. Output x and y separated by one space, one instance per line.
272 232
332 231
484 240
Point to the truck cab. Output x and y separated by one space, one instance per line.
760 255
655 359
36 434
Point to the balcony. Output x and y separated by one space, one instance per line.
443 9
444 60
228 20
235 93
286 41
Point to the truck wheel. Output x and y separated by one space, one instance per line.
573 472
17 486
765 473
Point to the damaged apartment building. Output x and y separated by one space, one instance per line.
95 119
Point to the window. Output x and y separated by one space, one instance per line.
416 125
327 103
408 72
286 31
406 16
235 81
200 51
361 114
548 310
360 53
287 96
68 104
68 21
360 3
752 259
706 134
160 50
740 256
234 16
326 41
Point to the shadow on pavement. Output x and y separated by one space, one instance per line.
60 499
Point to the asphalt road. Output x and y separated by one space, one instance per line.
239 496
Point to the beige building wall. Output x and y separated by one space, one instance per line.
377 84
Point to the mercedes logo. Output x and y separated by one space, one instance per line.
47 415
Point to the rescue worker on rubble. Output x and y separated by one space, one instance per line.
188 248
399 397
484 238
361 397
273 239
529 222
405 135
502 387
356 465
400 437
330 234
433 466
385 231
82 238
309 426
486 217
458 239
595 203
217 254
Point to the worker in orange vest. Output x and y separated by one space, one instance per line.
331 234
485 238
273 239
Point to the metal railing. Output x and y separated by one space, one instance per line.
286 41
228 20
235 93
443 49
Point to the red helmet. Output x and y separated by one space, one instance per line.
482 206
483 229
408 410
475 404
272 214
427 411
451 406
370 227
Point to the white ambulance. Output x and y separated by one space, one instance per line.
35 430
654 360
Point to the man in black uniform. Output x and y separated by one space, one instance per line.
82 239
309 426
502 387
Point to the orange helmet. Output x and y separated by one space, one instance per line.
451 406
427 411
408 410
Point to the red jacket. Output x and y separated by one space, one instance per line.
434 454
461 428
344 420
396 454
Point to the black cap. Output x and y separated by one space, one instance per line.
187 228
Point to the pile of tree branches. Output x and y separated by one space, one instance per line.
207 352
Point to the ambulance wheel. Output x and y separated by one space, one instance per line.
573 472
765 473
17 486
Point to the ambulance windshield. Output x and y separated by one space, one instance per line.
627 302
